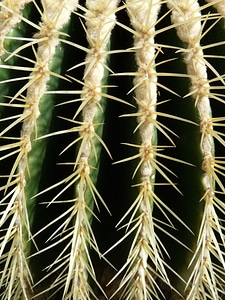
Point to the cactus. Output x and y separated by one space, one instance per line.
111 149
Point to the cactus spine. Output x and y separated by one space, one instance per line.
59 62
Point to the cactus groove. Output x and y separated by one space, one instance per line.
111 149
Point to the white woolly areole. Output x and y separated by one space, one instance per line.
146 170
95 69
10 15
89 112
196 63
187 14
50 27
58 12
100 20
143 16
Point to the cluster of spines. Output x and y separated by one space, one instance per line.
11 14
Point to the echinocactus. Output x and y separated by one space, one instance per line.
111 149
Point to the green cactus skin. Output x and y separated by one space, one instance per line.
111 149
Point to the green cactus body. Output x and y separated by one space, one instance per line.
111 117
